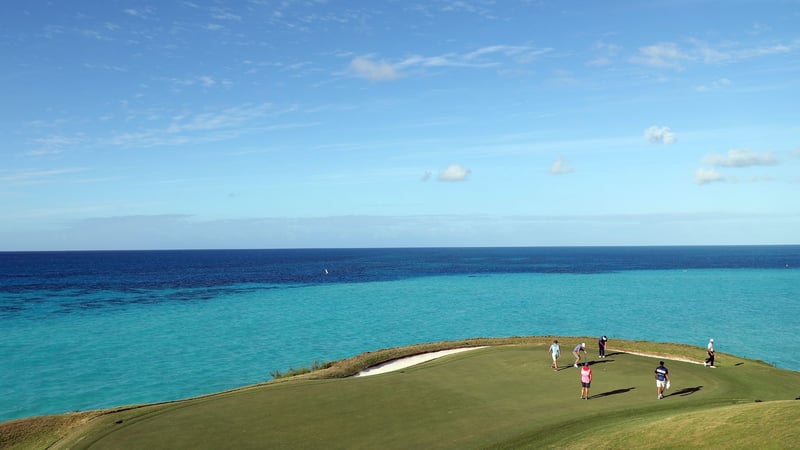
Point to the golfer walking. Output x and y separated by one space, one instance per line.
555 352
662 379
586 380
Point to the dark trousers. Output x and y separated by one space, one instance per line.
602 350
710 359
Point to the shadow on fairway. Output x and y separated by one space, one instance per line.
685 391
591 363
614 392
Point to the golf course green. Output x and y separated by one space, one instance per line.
505 395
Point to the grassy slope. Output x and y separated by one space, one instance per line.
504 397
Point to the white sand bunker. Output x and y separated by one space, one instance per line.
402 363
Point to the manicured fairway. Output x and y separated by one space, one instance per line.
498 397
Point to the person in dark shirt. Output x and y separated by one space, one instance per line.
601 344
662 379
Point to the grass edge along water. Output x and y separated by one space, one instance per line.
511 381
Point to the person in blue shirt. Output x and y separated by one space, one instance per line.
662 379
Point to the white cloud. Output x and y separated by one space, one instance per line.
560 167
743 157
665 55
454 172
141 13
714 85
660 135
374 71
705 176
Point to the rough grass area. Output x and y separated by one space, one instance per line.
39 432
746 426
504 396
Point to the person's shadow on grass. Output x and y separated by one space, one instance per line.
614 392
591 363
685 391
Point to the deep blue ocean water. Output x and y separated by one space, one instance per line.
86 330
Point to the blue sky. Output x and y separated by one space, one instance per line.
311 123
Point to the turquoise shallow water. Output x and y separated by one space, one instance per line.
145 352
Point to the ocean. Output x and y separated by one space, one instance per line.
88 330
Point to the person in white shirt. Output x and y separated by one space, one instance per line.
710 350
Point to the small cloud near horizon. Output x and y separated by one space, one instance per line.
660 135
704 176
561 167
454 172
742 157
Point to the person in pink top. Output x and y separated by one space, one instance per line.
586 380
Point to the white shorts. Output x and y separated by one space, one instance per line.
661 383
555 356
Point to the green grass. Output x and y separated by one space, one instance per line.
505 396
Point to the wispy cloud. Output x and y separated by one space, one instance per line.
206 81
743 157
481 58
213 126
142 13
226 15
714 85
35 176
520 53
660 135
670 55
54 144
605 54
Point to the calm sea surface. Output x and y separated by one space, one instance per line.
86 330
